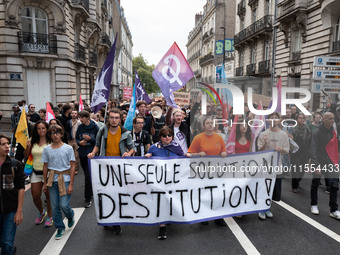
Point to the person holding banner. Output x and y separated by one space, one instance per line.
113 140
274 139
208 143
140 137
58 170
166 147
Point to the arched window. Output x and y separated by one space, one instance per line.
34 30
34 21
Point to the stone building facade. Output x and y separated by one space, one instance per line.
307 28
52 50
254 45
205 41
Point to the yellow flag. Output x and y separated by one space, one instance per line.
22 131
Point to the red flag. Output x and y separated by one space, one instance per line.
49 113
81 104
230 145
332 149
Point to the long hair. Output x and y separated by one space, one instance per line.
36 136
238 133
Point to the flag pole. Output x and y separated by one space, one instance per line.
105 115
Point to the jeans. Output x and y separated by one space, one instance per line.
59 204
7 234
332 196
277 189
88 185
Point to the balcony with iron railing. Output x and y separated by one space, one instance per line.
206 59
258 28
239 71
105 40
37 43
241 8
251 69
264 67
93 58
83 3
80 52
288 9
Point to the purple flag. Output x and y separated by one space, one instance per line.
140 91
101 90
172 73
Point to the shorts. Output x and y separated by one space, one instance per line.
36 178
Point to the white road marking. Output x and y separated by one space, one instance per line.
310 221
241 237
54 247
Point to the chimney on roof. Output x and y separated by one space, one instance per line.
198 16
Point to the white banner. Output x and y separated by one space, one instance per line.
137 190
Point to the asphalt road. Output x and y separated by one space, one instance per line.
293 230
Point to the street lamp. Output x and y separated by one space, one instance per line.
223 44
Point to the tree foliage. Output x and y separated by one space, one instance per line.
145 74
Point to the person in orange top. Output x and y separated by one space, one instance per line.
211 144
208 142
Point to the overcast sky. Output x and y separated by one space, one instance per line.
156 24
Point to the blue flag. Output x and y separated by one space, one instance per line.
131 114
101 90
140 91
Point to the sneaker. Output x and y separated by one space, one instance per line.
335 215
314 209
59 234
262 215
162 233
269 214
295 191
220 222
41 217
70 222
48 222
87 204
116 230
328 190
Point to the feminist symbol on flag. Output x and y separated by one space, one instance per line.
169 68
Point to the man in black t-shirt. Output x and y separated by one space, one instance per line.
140 137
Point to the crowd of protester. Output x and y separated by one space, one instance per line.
75 136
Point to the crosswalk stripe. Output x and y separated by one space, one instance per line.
54 247
241 237
310 221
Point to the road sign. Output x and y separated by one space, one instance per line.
327 75
329 88
327 62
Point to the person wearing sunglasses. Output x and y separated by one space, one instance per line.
166 147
